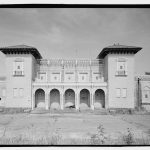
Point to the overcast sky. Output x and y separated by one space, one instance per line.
76 32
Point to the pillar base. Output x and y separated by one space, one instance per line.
92 107
47 108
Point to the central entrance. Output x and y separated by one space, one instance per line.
84 98
69 98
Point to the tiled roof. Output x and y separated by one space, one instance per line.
21 49
120 46
18 47
116 48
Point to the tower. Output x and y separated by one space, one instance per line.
119 74
20 71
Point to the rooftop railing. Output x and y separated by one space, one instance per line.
71 62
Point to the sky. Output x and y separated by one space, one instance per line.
71 33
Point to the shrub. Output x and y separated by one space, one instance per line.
99 137
129 138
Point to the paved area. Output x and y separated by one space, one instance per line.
71 125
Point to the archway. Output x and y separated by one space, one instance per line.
99 101
40 98
84 98
69 98
55 99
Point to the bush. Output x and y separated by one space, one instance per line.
99 137
129 138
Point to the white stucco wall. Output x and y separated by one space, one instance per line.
120 81
23 82
2 93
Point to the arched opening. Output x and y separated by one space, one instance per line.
84 98
99 99
55 99
69 98
40 98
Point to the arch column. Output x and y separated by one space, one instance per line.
33 101
106 99
61 100
46 100
92 100
77 100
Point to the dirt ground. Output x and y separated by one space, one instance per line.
71 125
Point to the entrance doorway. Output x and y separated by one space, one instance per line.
40 98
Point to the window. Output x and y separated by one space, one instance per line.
124 92
18 68
121 67
82 77
118 92
15 92
146 92
42 76
21 92
96 77
146 95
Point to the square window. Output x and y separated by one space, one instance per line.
121 67
146 95
118 92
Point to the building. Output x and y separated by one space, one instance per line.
105 82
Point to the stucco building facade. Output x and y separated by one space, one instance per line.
108 81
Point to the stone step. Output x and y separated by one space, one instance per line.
68 110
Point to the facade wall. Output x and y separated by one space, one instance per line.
142 90
116 82
76 75
15 83
2 93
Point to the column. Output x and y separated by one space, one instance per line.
106 99
77 100
33 101
46 100
62 101
92 101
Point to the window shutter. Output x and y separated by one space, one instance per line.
118 92
124 92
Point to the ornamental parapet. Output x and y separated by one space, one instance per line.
70 62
